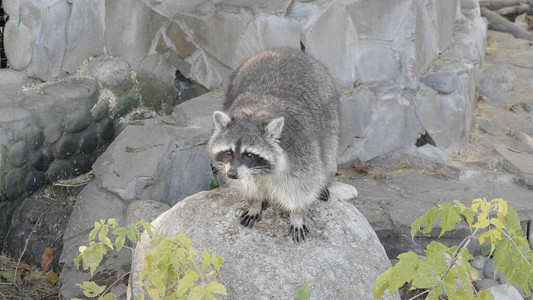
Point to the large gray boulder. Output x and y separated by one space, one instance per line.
341 250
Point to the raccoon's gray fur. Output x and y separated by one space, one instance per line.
278 134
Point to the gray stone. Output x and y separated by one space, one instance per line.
78 121
526 140
146 210
518 163
105 130
127 102
52 132
14 120
328 35
73 93
68 168
198 112
84 32
343 191
92 204
48 38
12 80
100 110
156 76
179 39
89 140
169 8
441 82
111 71
41 159
14 184
377 63
18 45
34 137
446 14
133 22
496 80
36 222
485 284
395 127
216 28
30 15
66 146
433 152
207 70
443 117
33 181
478 262
503 292
356 111
210 221
11 7
425 35
19 154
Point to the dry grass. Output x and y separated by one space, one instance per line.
33 283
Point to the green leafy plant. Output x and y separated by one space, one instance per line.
173 269
447 269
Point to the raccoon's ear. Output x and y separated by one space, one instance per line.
274 128
221 120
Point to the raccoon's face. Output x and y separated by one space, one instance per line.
241 147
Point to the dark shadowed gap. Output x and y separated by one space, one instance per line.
425 139
3 20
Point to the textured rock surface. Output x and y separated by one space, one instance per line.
341 250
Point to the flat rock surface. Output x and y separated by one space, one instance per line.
263 262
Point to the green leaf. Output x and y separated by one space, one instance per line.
382 283
217 261
91 256
449 285
187 282
216 288
214 183
303 293
485 295
429 217
206 260
91 289
449 217
119 242
131 235
435 293
512 222
197 293
94 232
432 267
404 271
109 296
112 222
148 228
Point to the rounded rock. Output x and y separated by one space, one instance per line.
19 154
11 7
14 184
497 80
33 181
74 92
88 141
112 71
105 130
34 137
68 168
17 45
41 159
30 15
52 133
144 209
13 114
66 146
444 83
78 121
100 110
10 78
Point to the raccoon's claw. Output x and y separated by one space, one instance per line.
298 233
249 220
324 194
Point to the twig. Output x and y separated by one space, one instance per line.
418 295
115 282
38 223
497 4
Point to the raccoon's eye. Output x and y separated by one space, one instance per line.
250 155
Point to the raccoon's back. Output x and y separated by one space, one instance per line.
287 74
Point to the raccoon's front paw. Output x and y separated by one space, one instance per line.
298 233
249 219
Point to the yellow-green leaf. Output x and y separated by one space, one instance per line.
91 289
95 231
119 242
303 293
206 260
216 288
435 293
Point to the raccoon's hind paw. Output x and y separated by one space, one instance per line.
324 194
298 233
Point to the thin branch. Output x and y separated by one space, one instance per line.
115 282
497 4
518 9
499 23
418 295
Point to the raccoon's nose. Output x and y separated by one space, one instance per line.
232 174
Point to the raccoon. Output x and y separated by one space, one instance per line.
277 139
